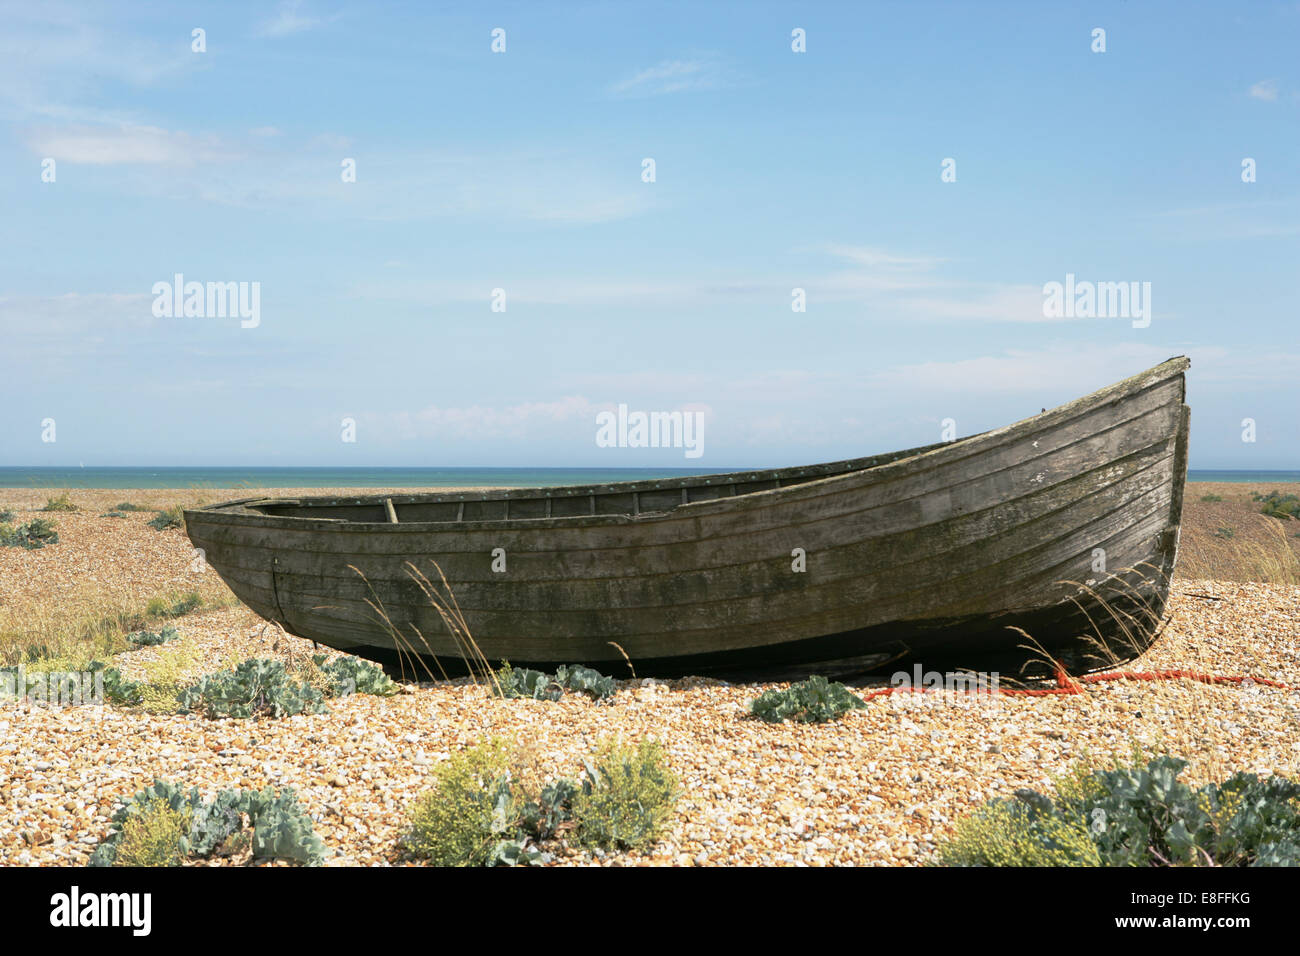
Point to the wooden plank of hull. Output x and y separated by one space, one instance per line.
964 534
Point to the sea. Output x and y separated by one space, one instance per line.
198 477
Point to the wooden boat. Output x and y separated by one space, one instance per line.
1064 525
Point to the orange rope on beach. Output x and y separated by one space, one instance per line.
1065 684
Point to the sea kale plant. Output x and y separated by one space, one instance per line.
164 825
259 687
1136 816
813 701
262 687
36 533
152 639
351 675
522 682
172 517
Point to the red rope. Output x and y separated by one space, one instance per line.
1071 685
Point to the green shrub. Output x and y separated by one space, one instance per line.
350 675
813 701
112 514
165 607
626 799
522 682
468 811
156 836
172 517
1225 533
118 689
164 677
128 506
61 503
1277 505
1136 816
152 639
480 810
254 688
279 827
36 533
46 676
1210 498
7 516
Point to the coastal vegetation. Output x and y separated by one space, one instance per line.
32 535
152 638
521 682
813 701
263 687
1135 814
173 517
1277 505
488 806
1239 535
163 825
93 623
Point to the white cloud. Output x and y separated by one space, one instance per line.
704 72
290 18
74 314
475 421
901 291
1072 368
1265 90
55 58
116 145
872 257
328 141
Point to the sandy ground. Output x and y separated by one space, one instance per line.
880 786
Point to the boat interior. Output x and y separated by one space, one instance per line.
656 496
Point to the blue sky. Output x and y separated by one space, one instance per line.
522 170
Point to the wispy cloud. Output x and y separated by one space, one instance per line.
1265 90
291 17
872 257
57 60
900 287
1255 219
701 72
118 145
1052 371
470 421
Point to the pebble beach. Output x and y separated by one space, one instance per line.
881 786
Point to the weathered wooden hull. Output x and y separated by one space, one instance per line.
1064 525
